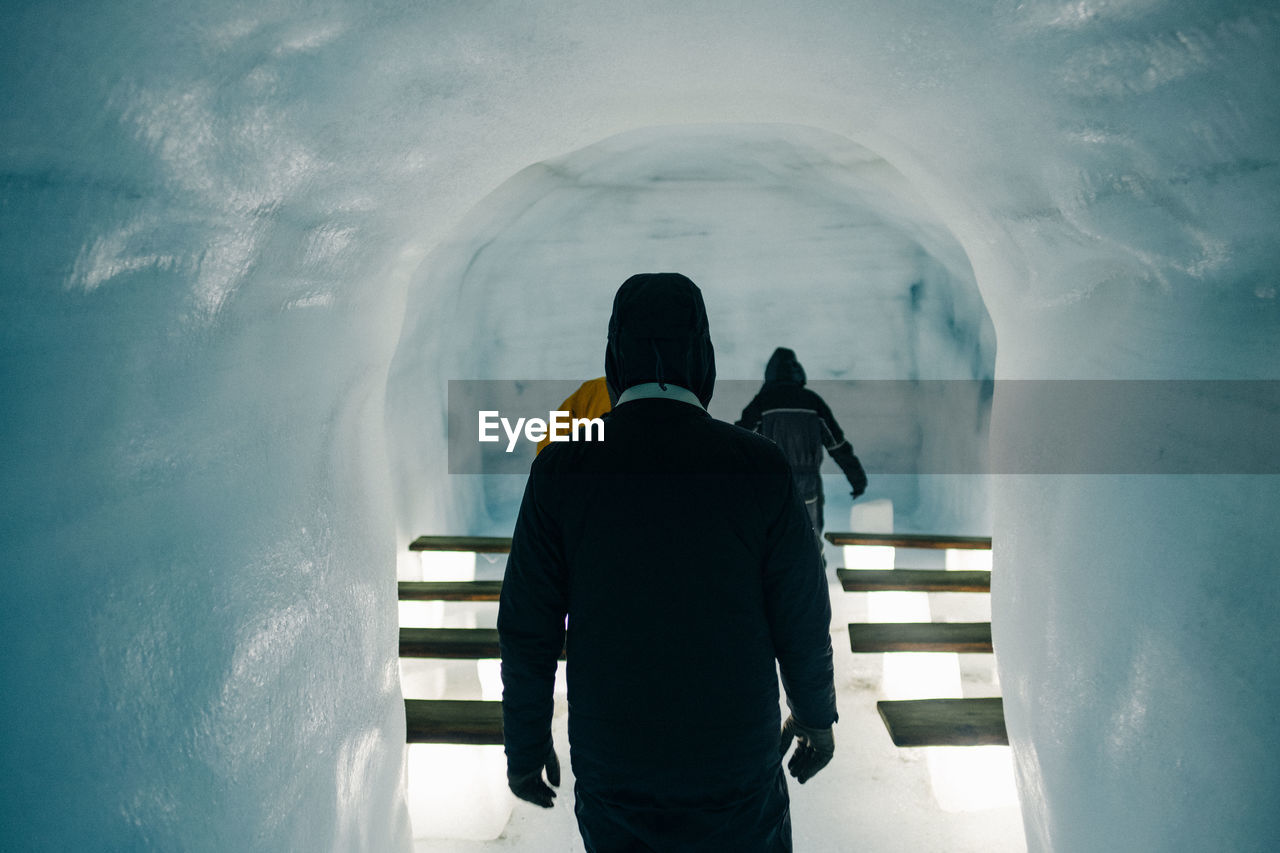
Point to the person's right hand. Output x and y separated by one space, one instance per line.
530 787
814 748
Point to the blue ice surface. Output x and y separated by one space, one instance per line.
243 249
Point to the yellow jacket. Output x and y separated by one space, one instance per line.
591 400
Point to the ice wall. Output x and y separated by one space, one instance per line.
209 216
199 617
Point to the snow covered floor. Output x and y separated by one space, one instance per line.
873 797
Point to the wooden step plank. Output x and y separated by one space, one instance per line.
450 590
945 722
452 721
960 637
449 643
473 544
917 580
911 540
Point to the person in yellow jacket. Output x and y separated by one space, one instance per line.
591 400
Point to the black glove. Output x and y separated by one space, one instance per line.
530 787
857 493
814 748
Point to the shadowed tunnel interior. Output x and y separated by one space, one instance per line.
797 235
234 247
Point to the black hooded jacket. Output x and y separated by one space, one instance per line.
683 558
801 424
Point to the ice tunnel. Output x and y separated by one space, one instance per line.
231 242
802 229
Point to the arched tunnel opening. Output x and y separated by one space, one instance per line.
216 219
797 237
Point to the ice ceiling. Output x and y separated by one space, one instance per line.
798 237
217 218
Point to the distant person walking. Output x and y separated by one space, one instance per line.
681 555
801 424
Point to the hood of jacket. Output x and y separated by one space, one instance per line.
659 333
783 368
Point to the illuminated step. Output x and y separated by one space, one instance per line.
911 540
452 721
452 643
915 580
450 590
944 722
962 637
473 544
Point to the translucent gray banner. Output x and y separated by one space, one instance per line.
941 426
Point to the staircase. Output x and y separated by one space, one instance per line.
926 722
462 721
910 723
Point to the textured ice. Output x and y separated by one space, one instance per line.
217 219
797 238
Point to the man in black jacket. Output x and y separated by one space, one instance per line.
681 555
801 424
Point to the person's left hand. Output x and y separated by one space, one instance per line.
529 786
814 748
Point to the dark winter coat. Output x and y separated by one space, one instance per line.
801 424
684 561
